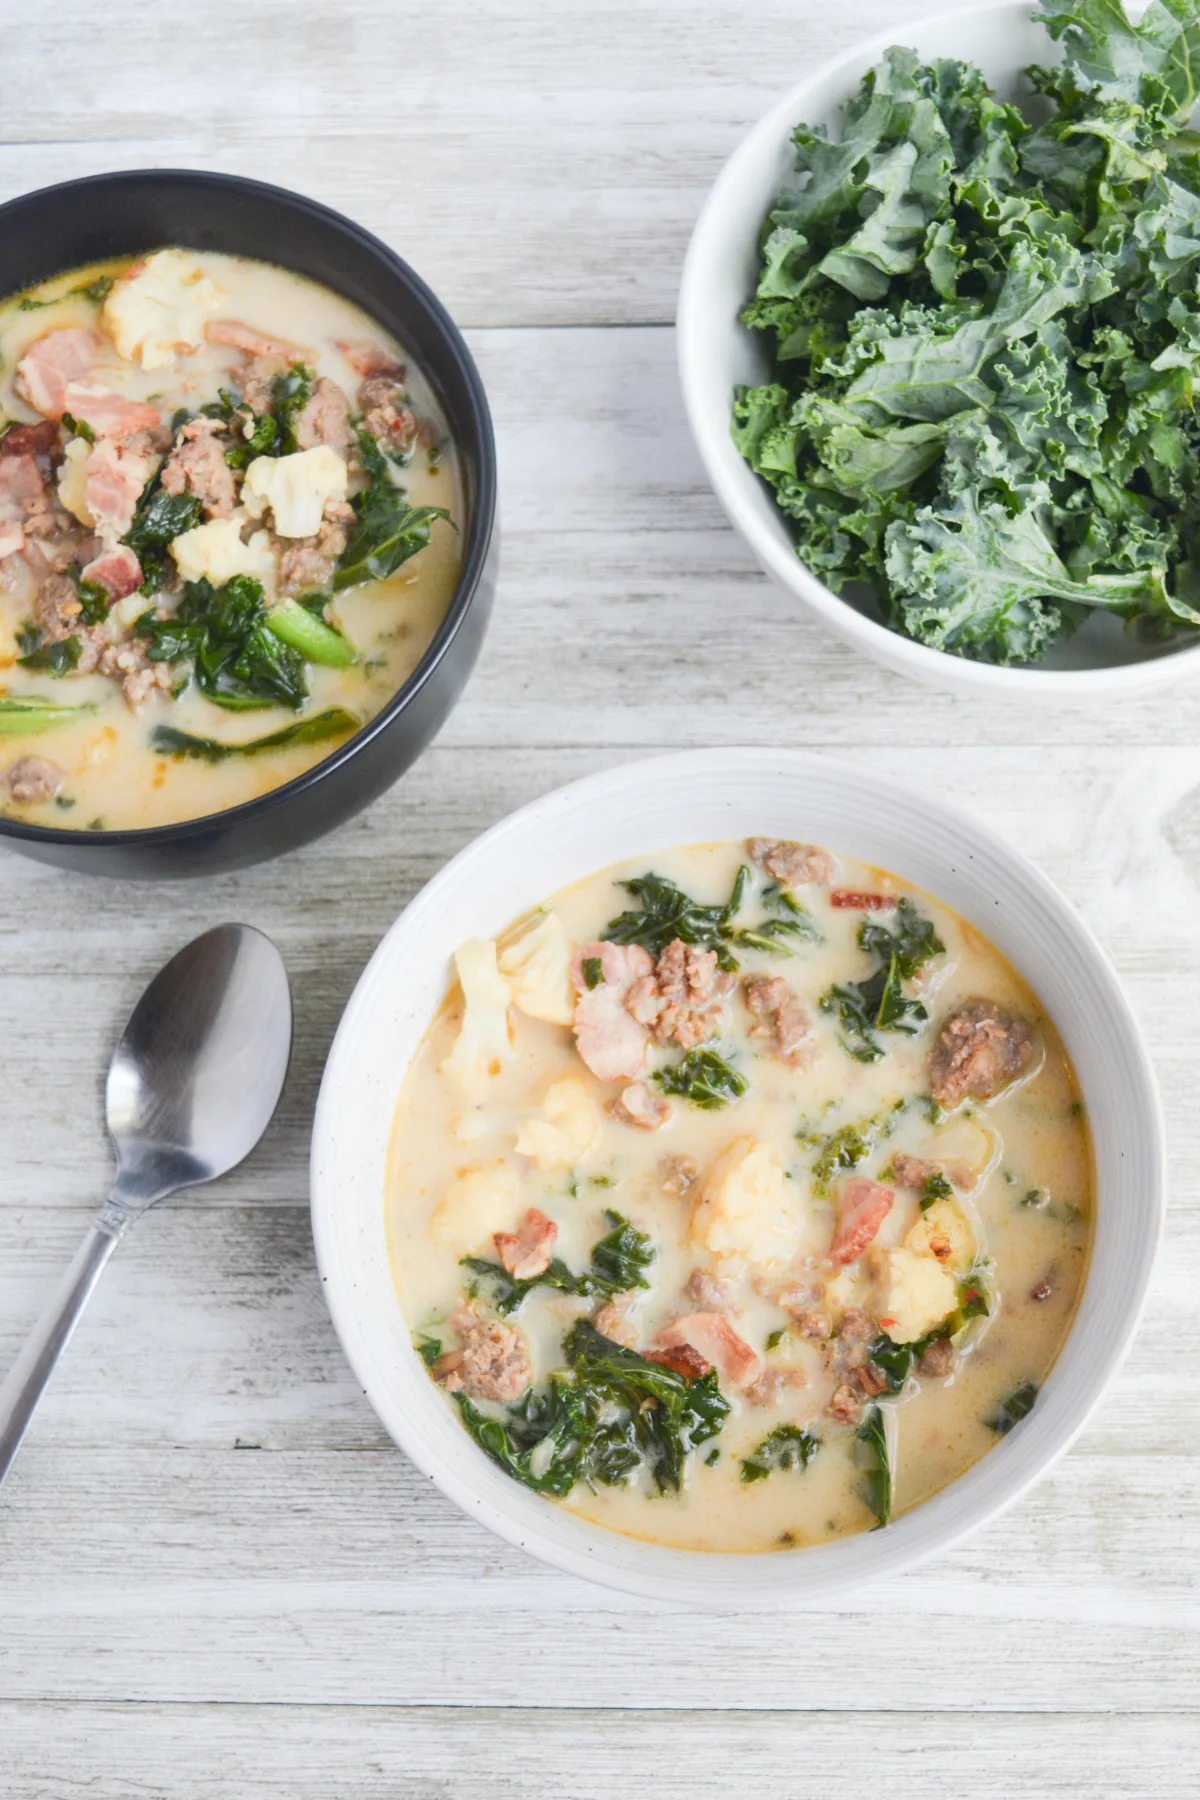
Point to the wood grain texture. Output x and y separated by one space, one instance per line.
216 1574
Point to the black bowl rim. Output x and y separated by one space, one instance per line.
480 524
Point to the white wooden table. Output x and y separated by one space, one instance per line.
216 1574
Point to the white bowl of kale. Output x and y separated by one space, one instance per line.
939 327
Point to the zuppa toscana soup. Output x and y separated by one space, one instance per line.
229 517
741 1200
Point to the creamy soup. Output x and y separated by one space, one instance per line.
739 1202
230 519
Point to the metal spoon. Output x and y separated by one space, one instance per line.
191 1088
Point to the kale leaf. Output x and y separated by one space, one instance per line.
913 943
667 913
793 925
1012 1409
167 740
787 1447
704 1079
879 1003
222 633
56 659
387 530
618 1264
872 1434
159 517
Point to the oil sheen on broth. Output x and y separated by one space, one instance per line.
216 479
833 1136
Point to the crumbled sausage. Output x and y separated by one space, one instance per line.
641 1106
526 1252
683 1001
306 565
1042 1291
911 1171
324 418
783 1020
495 1361
610 1321
937 1359
386 415
197 465
795 865
845 1407
34 779
981 1049
678 1173
57 608
772 1384
705 1288
129 664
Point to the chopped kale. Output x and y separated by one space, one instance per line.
56 659
334 722
78 428
776 1337
668 913
876 1004
25 715
158 517
872 1434
779 936
290 393
618 1264
703 1078
261 442
94 599
913 943
428 1349
842 1150
897 1361
387 531
222 633
593 971
609 1417
1011 1410
934 1187
787 1447
95 291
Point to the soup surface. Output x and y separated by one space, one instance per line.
229 529
743 1204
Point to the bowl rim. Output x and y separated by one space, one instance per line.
480 523
732 483
662 1572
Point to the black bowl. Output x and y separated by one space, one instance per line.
78 222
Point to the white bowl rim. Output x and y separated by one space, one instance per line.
732 484
650 1570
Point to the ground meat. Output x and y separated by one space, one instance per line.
448 1371
1042 1291
706 1289
306 565
845 1408
641 1106
911 1171
683 1002
495 1361
682 1359
937 1360
812 1323
386 414
324 418
42 441
526 1252
678 1174
57 608
129 664
863 1207
610 1322
795 865
197 465
856 1327
25 503
981 1049
783 1021
255 381
869 1379
773 1384
34 779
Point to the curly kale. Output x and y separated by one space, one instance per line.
985 338
618 1264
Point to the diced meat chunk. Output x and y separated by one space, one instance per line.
306 565
937 1360
197 466
129 664
34 779
912 1171
794 865
706 1289
845 1408
639 1105
610 1321
713 1337
386 414
682 1359
324 418
609 1039
109 415
117 571
57 608
252 341
773 1384
114 479
863 1207
53 361
678 1174
42 441
980 1050
25 504
782 1019
495 1363
683 1002
371 359
526 1252
856 900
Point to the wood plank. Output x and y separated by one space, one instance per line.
537 164
109 1752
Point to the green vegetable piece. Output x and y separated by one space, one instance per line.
57 659
787 1447
223 634
316 641
26 715
336 722
96 291
776 1337
593 971
704 1079
261 441
877 1004
913 942
428 1349
934 1187
668 913
1011 1410
387 530
618 1263
872 1434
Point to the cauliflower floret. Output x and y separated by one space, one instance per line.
917 1293
965 1149
72 481
944 1232
538 965
746 1207
215 552
484 1041
297 488
160 306
481 1200
566 1128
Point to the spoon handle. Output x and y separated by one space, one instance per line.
22 1387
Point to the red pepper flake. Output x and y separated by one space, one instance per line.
848 897
887 1324
972 1294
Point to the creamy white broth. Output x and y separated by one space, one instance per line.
112 777
1028 1212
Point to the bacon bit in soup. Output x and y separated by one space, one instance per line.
371 359
609 1039
851 899
711 1334
118 571
526 1252
682 1359
253 342
50 363
863 1207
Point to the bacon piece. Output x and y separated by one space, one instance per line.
115 477
526 1251
371 359
863 1207
117 570
51 362
109 415
609 1039
851 898
12 537
611 1323
42 441
682 1359
254 343
713 1337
